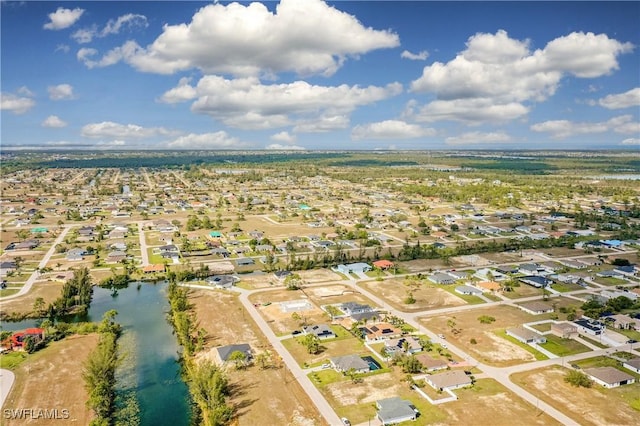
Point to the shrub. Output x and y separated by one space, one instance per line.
578 379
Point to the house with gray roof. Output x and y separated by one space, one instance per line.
525 335
321 331
632 364
224 352
468 290
348 362
609 377
441 278
395 410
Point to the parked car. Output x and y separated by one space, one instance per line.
345 421
294 332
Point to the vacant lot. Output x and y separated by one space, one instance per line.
51 379
421 265
48 290
426 296
591 406
489 347
268 396
477 406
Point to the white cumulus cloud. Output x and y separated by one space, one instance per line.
561 129
390 129
420 56
217 140
109 129
621 100
53 121
631 141
503 74
247 103
63 18
16 104
472 138
304 36
60 92
283 137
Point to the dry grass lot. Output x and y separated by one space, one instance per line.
594 406
477 406
262 397
282 322
422 265
427 297
51 379
490 348
48 290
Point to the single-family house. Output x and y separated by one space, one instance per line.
530 268
395 410
565 330
632 364
536 307
221 281
223 353
348 362
380 331
609 377
488 286
116 256
453 379
536 281
408 344
590 327
525 335
441 278
623 322
245 261
321 331
468 290
75 254
612 294
431 364
154 268
7 267
626 270
383 264
353 267
18 339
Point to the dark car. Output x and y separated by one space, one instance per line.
632 341
294 332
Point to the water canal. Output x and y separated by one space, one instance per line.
150 367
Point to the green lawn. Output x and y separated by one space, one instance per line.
562 288
12 359
563 347
631 334
538 355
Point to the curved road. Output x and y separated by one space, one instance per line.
6 382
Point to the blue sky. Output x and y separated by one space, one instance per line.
309 74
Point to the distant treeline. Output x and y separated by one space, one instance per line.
177 160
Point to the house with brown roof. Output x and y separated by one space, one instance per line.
536 307
150 269
383 264
380 331
623 322
609 377
566 330
431 364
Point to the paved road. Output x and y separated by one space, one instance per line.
501 375
34 276
6 383
143 245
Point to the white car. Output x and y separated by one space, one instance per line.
345 421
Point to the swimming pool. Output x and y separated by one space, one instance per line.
373 364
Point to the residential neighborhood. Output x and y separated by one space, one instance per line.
367 305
